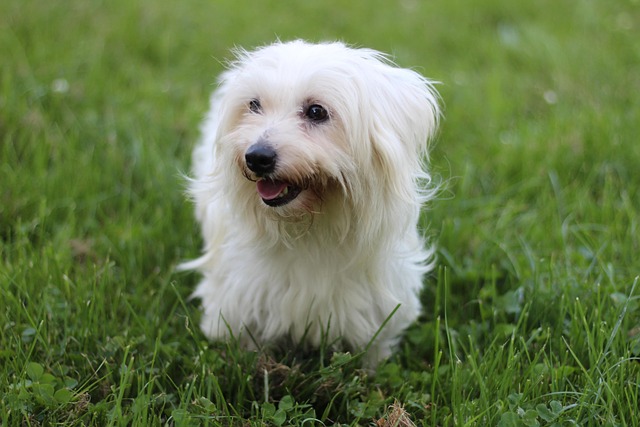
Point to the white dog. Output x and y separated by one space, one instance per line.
309 179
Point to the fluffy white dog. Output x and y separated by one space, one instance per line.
309 179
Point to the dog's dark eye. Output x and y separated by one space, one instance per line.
254 106
317 113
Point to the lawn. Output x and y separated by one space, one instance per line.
532 316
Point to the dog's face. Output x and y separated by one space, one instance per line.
305 125
288 139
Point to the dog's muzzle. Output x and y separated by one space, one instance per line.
261 159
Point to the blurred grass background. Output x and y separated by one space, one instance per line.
100 104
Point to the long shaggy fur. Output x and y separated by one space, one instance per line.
337 260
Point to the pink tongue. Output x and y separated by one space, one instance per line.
269 190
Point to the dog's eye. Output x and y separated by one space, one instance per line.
317 113
254 106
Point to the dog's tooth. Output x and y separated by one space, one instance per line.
285 191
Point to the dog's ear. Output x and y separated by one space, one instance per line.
405 117
219 103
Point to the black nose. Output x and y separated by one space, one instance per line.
261 158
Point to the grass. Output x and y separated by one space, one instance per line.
532 317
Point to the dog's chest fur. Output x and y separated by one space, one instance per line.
306 290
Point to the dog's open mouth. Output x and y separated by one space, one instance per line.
277 193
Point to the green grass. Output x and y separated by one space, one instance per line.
532 317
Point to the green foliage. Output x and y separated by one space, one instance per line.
39 389
532 318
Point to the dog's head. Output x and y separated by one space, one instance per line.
302 126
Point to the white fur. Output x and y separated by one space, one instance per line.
335 262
